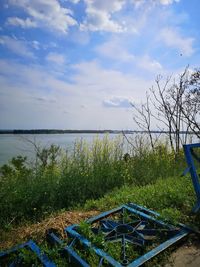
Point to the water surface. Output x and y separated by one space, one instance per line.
12 145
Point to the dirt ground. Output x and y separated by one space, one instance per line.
187 255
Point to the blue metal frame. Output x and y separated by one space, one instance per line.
73 256
34 248
174 234
188 150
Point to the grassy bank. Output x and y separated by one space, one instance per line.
59 180
173 197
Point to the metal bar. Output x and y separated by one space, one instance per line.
54 239
103 215
76 257
194 175
143 209
135 211
141 260
88 244
196 207
185 171
43 258
70 252
146 216
31 245
193 145
12 250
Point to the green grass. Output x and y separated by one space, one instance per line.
173 198
59 180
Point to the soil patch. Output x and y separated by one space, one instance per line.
187 255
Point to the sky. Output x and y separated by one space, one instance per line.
78 64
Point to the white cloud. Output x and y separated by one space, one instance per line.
33 77
172 38
168 2
109 15
72 1
107 6
75 1
99 15
35 44
147 63
139 3
31 97
16 46
117 102
56 58
24 23
80 37
115 50
44 13
93 78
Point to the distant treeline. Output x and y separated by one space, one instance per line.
56 131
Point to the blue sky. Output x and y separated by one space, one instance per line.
77 64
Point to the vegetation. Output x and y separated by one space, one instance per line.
97 177
59 180
173 198
174 104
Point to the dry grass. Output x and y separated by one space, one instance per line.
37 230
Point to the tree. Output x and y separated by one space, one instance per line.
191 110
143 118
174 104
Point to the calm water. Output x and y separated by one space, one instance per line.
13 145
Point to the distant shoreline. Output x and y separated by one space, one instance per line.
56 131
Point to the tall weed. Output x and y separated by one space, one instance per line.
62 180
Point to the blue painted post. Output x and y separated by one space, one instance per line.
193 172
